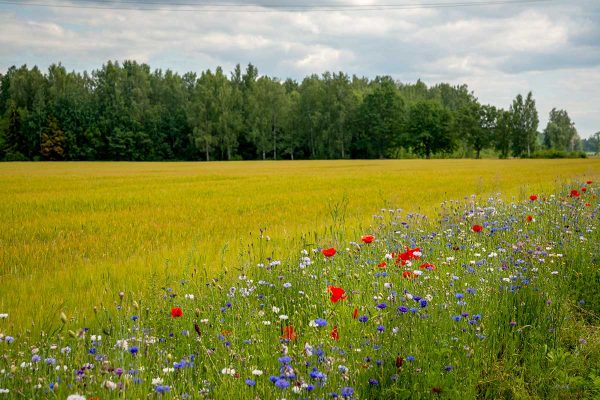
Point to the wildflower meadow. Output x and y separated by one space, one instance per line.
489 298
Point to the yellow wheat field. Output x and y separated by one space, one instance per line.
73 234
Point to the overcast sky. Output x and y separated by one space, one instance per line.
550 47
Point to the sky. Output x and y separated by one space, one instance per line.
549 47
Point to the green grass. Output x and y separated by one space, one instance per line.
507 313
73 233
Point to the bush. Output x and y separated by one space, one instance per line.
554 153
16 156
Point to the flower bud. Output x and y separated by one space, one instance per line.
63 317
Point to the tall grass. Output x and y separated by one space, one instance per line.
507 312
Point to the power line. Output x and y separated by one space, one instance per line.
266 8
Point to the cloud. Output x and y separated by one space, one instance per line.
551 48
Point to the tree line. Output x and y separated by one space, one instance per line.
125 111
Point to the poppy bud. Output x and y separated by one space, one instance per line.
197 329
399 361
136 305
121 295
197 312
63 317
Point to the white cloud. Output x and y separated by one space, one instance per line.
552 48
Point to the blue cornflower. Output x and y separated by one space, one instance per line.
50 361
133 349
282 383
413 310
347 391
448 368
285 359
162 388
470 290
423 303
456 318
250 382
273 378
363 318
477 316
320 322
134 317
35 358
381 328
316 374
9 339
459 295
403 309
373 382
410 358
381 306
309 387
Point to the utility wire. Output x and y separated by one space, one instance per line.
264 8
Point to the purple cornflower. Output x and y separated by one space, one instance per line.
363 318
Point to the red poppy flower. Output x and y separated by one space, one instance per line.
176 312
355 313
584 189
330 252
587 204
288 333
409 254
382 264
529 218
406 274
574 193
428 266
337 293
335 334
533 197
367 238
589 182
477 228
